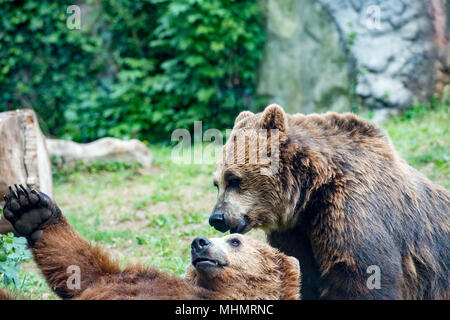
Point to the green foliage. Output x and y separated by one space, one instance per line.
13 252
43 65
217 47
135 69
351 37
419 110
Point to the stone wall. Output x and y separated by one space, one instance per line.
332 54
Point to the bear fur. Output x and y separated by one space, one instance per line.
339 199
5 296
232 267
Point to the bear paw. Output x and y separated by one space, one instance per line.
30 211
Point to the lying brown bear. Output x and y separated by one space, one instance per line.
231 267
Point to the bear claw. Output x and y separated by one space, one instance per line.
29 211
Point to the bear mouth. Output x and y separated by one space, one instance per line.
243 226
203 262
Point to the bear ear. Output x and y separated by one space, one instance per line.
242 116
274 117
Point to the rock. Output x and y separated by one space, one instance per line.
23 155
108 149
304 68
394 45
329 54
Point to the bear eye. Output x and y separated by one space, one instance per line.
233 181
235 242
216 185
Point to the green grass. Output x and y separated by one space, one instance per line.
422 137
151 216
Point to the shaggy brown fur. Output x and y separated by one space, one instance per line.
341 201
232 267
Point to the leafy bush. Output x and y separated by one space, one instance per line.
43 65
13 252
135 69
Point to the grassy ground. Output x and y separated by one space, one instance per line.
151 216
422 137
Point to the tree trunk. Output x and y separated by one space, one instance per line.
23 156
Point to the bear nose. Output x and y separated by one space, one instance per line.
217 220
200 244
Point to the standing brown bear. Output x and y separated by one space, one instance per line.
336 195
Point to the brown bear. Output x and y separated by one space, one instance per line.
331 191
232 267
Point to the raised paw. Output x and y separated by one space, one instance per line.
29 211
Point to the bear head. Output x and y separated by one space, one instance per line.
240 267
250 174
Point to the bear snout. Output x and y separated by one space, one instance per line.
221 222
218 221
200 244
